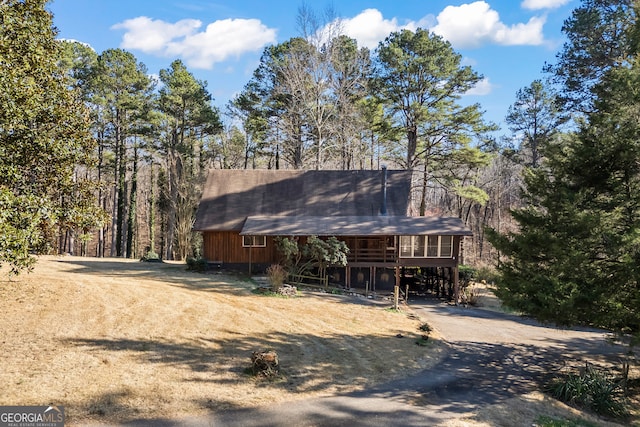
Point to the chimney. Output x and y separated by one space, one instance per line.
383 206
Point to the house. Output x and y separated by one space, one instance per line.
242 211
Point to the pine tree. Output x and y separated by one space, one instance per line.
576 256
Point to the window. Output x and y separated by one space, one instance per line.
405 246
426 246
254 241
432 247
418 246
446 246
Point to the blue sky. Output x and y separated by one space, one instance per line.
507 41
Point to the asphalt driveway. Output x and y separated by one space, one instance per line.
493 357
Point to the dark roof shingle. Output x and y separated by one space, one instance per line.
354 226
323 203
230 196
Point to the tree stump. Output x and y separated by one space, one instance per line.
265 363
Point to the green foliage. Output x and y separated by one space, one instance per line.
289 250
488 275
151 256
600 36
196 264
326 252
186 117
592 389
467 274
535 119
315 253
21 219
544 421
576 256
425 327
472 193
44 133
419 78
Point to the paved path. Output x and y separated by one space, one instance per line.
493 357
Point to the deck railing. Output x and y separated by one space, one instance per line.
371 255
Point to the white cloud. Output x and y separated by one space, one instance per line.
483 87
369 27
219 41
473 24
151 36
466 26
543 4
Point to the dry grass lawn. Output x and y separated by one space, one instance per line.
115 340
118 340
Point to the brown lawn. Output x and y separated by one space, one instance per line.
114 340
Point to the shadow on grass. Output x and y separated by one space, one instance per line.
472 376
174 274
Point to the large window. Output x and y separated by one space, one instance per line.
435 247
254 241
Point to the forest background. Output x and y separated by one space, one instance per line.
104 160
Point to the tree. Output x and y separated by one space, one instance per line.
576 256
599 39
419 77
349 83
121 91
188 117
245 108
534 119
282 83
315 253
78 60
43 132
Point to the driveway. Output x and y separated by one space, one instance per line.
493 357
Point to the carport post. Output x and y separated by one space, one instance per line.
250 246
456 284
396 289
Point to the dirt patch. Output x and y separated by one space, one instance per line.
115 340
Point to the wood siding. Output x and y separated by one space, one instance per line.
226 247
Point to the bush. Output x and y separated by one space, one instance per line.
151 256
276 275
466 274
196 264
487 274
425 327
544 421
592 389
471 295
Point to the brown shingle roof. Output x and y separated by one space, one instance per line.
230 196
355 226
323 203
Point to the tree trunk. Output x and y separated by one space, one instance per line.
121 179
174 173
412 146
152 214
131 223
